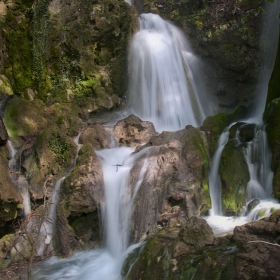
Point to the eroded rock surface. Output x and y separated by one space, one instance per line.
132 131
174 185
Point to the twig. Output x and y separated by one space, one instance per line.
260 241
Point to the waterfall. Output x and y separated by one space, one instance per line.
116 213
258 158
161 76
47 227
19 181
214 177
119 195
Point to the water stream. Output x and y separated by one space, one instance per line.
19 181
116 212
47 228
162 70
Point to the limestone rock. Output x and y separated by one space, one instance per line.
81 193
197 233
98 136
132 131
174 186
260 242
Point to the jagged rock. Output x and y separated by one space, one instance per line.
260 242
163 256
175 185
98 136
132 131
247 132
81 193
196 233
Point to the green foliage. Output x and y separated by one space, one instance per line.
60 147
85 88
40 38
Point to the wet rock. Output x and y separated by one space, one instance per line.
251 205
81 193
98 136
247 132
162 256
132 131
234 175
174 186
260 242
196 233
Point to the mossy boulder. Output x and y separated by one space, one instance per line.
234 175
163 256
24 117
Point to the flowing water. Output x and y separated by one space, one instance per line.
214 177
259 188
19 181
162 71
163 88
47 228
116 212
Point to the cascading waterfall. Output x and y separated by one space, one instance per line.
19 181
47 227
161 76
259 188
258 158
214 177
119 196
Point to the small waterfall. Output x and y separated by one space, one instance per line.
258 158
116 213
47 227
214 177
119 196
19 181
161 87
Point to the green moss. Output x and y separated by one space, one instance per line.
23 117
18 65
235 176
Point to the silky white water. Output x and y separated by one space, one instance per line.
47 227
116 212
162 70
214 177
19 181
258 158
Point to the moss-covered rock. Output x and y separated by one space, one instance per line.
164 257
234 175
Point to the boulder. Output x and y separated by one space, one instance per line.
174 185
132 131
260 244
196 233
98 136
